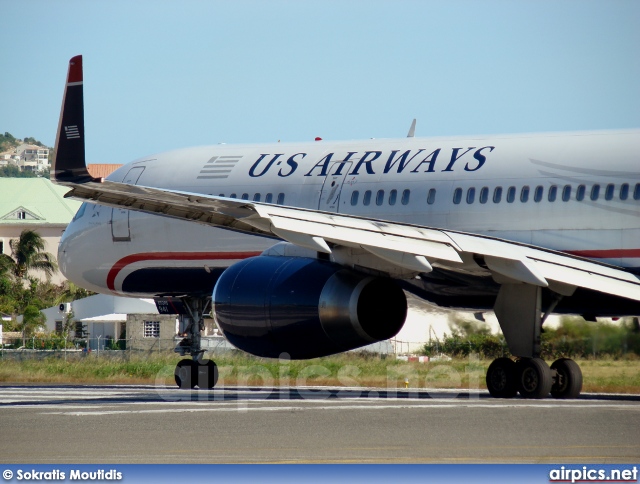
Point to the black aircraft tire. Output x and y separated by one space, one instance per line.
568 383
185 375
501 381
534 378
207 374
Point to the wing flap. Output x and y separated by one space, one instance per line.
374 237
590 280
353 222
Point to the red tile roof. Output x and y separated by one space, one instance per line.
102 170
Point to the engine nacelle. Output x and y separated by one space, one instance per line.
307 308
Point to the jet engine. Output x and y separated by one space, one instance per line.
304 307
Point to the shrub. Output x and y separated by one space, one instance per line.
574 338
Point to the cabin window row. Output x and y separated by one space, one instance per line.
554 192
257 197
381 197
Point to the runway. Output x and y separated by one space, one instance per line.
147 424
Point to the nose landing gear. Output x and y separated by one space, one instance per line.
196 371
192 373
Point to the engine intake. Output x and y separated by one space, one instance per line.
307 308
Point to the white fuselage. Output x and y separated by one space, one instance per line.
572 192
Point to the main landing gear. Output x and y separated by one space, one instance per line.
518 309
532 378
196 371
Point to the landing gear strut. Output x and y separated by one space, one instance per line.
193 372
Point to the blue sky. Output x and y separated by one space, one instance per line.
161 75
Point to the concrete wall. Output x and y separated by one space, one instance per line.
135 332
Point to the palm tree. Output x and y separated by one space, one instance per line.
6 265
71 292
28 254
32 319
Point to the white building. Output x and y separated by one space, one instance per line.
9 158
104 316
33 157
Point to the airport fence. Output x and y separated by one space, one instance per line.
598 344
101 347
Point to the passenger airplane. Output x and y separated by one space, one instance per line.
308 248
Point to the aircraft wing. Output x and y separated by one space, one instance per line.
412 247
408 246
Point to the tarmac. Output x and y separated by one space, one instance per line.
157 424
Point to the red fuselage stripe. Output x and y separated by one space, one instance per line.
190 256
151 256
606 254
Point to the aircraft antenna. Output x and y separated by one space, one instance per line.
412 129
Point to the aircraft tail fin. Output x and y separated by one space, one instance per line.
69 165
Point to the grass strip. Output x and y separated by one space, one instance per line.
351 370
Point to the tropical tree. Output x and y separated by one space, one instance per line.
10 290
68 291
32 319
29 255
6 266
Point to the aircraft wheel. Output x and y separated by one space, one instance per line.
568 381
185 374
207 374
534 378
501 381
